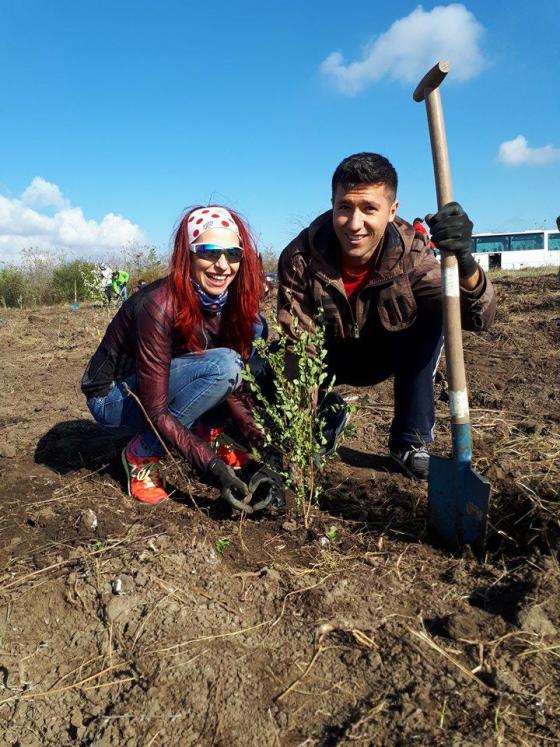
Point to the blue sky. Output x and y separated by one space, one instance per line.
117 115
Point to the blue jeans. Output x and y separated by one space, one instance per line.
197 383
411 356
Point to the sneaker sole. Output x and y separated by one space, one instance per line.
126 471
406 470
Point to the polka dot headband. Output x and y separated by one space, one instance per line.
204 219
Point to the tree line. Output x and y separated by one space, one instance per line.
43 279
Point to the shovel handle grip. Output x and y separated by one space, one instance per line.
432 79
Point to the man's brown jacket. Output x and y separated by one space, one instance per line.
406 276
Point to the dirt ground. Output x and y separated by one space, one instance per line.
181 626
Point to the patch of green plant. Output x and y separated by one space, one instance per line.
12 287
331 533
73 277
221 544
292 424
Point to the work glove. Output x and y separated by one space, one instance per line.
266 487
233 490
451 230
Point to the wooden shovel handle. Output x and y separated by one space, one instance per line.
432 79
458 399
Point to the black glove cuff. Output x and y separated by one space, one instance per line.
467 265
211 465
216 470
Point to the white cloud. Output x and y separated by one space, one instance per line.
42 193
517 152
24 223
411 46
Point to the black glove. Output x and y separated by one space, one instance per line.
451 231
232 489
266 488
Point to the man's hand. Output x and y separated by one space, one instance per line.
451 231
232 489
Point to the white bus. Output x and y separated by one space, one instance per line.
512 251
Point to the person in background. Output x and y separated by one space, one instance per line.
419 227
105 280
141 284
119 289
180 344
378 285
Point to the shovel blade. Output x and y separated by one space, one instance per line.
458 500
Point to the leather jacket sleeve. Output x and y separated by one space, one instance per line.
296 305
478 307
240 406
153 361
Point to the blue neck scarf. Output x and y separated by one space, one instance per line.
210 303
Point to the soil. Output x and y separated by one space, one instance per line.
180 625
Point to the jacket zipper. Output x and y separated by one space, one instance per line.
355 325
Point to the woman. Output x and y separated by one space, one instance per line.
180 344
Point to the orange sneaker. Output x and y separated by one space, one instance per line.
145 481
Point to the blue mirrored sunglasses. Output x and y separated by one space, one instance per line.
213 252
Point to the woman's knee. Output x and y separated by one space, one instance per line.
228 366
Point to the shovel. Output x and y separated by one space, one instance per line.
75 306
458 496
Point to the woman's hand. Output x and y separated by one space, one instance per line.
232 489
267 488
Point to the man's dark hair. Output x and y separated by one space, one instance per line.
418 220
365 168
558 223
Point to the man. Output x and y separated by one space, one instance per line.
105 280
377 284
418 225
119 288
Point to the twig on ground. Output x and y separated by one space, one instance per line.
67 562
540 650
240 631
58 690
466 671
75 482
319 650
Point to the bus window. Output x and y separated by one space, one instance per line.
554 242
492 244
525 241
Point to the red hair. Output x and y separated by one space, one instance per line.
244 296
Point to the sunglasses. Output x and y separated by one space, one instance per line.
213 252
